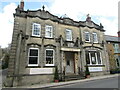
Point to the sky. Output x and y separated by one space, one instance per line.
101 11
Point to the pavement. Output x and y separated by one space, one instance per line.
48 85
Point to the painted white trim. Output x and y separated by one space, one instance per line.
33 29
51 31
53 57
33 56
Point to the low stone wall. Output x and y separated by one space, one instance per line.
35 79
92 74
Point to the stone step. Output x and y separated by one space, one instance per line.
73 77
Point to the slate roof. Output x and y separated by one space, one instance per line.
112 38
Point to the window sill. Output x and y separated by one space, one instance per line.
49 38
97 65
87 42
47 65
33 67
95 42
69 41
35 36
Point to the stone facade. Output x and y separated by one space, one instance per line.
42 41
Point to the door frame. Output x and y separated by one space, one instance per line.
73 53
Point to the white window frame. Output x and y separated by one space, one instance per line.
48 30
33 29
85 36
68 37
33 56
95 35
53 58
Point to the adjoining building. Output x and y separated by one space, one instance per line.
42 41
113 48
1 52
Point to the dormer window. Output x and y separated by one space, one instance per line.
36 28
95 39
87 37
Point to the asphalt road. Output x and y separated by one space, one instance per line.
111 83
102 83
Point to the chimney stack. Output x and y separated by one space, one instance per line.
22 5
88 18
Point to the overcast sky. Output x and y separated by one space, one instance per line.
101 11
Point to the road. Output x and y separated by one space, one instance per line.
110 83
102 83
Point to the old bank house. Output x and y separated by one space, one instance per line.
42 41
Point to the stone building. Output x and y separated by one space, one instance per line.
42 41
113 48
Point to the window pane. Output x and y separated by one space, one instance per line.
36 29
68 34
49 52
49 60
33 52
32 60
98 58
87 37
95 37
49 31
93 58
87 58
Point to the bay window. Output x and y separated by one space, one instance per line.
93 57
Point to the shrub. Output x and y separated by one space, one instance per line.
56 76
87 71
